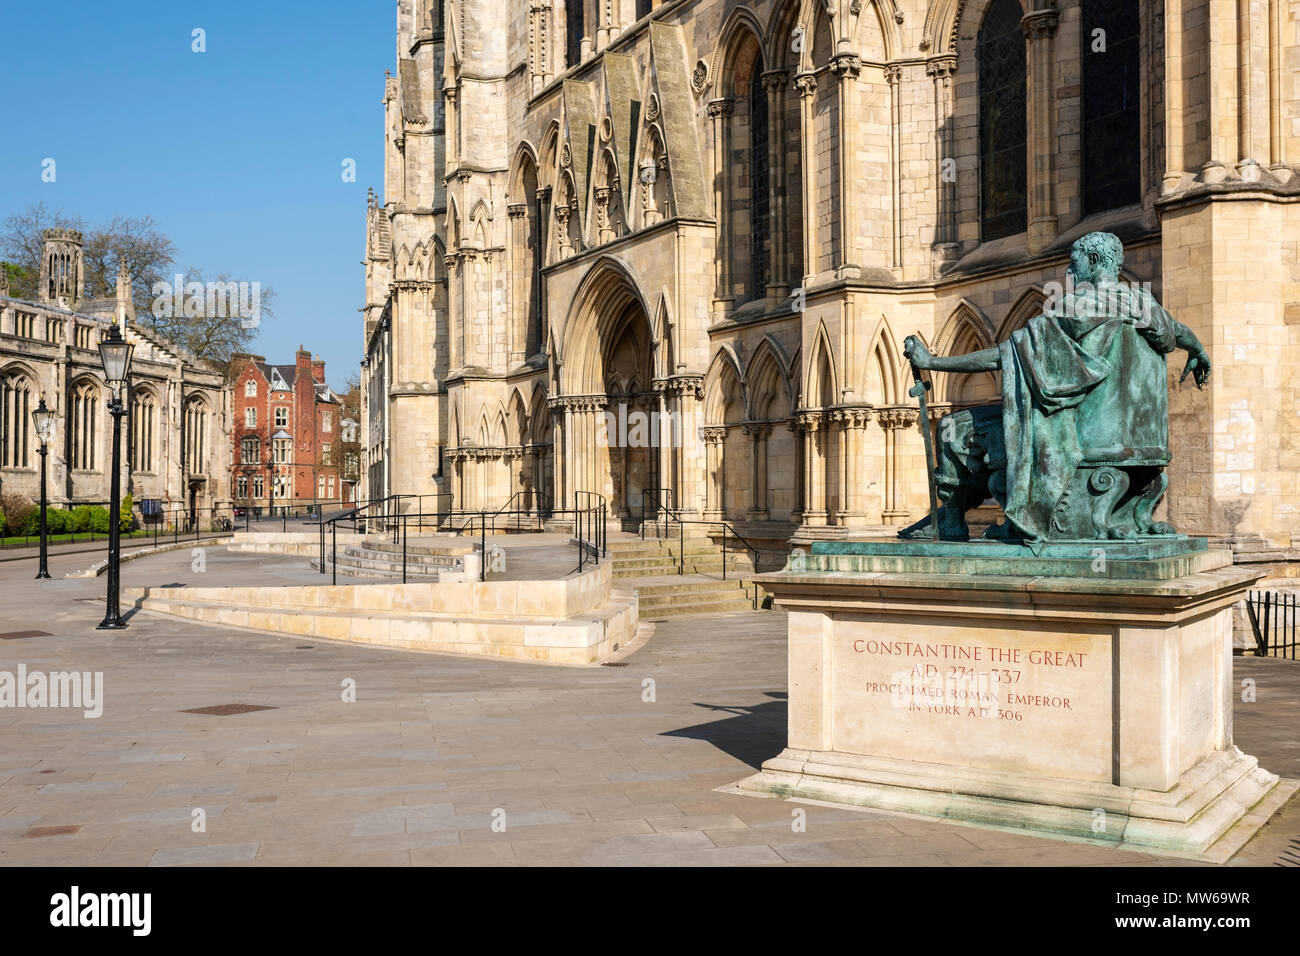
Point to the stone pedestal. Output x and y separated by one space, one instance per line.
1084 691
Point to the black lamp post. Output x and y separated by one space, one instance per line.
43 419
115 353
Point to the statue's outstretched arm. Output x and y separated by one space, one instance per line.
985 360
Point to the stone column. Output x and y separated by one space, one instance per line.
691 457
758 433
893 77
667 439
778 283
892 420
847 66
814 468
1175 98
852 506
561 449
451 127
800 505
716 487
941 70
520 279
539 45
806 84
720 112
1040 28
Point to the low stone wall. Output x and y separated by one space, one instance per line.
576 620
303 544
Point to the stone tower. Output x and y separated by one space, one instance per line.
62 271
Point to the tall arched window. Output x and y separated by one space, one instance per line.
748 218
83 431
573 31
196 437
760 239
1000 52
1112 114
16 406
144 426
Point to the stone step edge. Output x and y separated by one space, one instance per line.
601 612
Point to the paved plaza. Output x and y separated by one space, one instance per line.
445 760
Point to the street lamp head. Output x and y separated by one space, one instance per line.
43 419
115 353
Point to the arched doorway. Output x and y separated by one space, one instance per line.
606 399
631 413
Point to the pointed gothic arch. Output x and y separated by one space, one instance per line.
965 313
724 399
768 383
1029 304
597 307
883 381
822 378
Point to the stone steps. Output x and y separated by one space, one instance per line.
651 567
384 560
684 596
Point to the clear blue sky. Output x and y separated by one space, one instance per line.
236 152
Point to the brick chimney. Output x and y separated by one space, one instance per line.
318 369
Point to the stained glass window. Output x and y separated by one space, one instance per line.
760 230
573 31
1112 113
1000 52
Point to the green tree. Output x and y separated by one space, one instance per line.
210 332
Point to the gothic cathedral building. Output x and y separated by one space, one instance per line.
723 218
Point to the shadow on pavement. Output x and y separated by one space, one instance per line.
751 734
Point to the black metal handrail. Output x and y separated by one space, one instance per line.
590 528
1273 620
672 514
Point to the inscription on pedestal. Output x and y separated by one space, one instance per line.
973 696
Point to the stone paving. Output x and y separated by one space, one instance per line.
444 760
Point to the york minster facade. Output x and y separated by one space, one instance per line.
731 214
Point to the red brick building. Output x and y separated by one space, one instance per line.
286 434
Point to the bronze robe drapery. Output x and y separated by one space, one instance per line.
1048 368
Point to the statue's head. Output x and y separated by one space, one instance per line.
1097 256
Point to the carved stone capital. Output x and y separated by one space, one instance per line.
517 210
899 417
718 108
846 65
893 74
1039 24
774 81
856 416
941 66
811 420
713 435
806 84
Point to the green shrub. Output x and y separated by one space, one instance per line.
99 520
81 518
126 519
17 509
57 520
